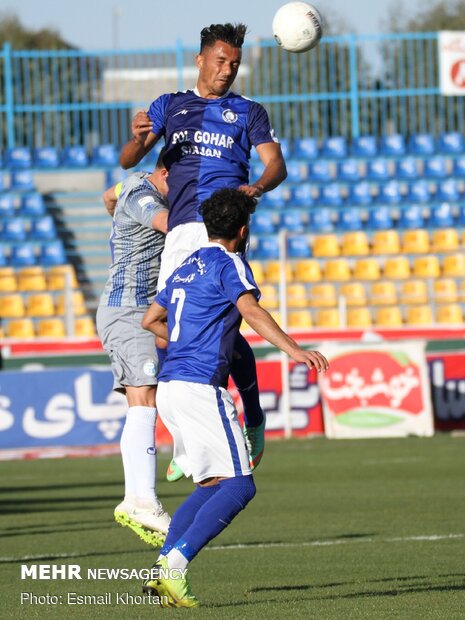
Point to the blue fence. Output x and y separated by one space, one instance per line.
350 86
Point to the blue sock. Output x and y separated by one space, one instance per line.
185 514
232 496
161 353
244 374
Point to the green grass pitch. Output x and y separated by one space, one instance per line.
344 530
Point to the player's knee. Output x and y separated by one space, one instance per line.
242 488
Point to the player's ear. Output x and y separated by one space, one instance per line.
199 61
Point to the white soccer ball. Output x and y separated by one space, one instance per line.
297 26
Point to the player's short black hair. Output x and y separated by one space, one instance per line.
229 33
225 212
161 159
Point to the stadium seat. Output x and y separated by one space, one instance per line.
320 220
450 314
32 205
22 255
46 157
406 169
348 170
383 293
13 229
328 318
359 318
392 145
355 244
267 248
77 302
20 328
435 167
419 192
448 191
75 156
272 271
385 242
419 315
350 219
415 241
442 215
411 217
451 143
296 296
445 291
8 283
257 270
378 170
323 296
22 181
276 199
307 271
389 193
360 194
321 171
57 277
397 268
459 167
426 267
269 296
380 218
413 292
298 246
263 222
7 205
105 155
364 146
3 260
305 148
354 293
389 316
285 147
18 157
299 319
366 269
51 328
331 195
337 270
334 146
302 196
32 279
43 228
421 144
40 304
454 265
445 240
11 306
52 253
256 170
325 245
297 172
294 220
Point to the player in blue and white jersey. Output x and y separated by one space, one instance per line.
138 206
200 311
208 133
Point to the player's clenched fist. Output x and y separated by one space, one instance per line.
141 126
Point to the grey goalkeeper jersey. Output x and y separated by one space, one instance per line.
135 247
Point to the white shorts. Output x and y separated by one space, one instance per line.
180 243
202 419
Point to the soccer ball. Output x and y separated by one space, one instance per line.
297 26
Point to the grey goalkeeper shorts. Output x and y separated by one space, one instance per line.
131 349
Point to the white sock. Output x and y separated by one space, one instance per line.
177 560
139 454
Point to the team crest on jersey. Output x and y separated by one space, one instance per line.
229 116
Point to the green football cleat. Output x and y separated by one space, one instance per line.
174 472
255 441
169 585
151 525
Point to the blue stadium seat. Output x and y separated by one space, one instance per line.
298 246
350 218
43 228
13 229
360 194
320 220
3 260
331 195
22 180
380 218
46 157
285 147
364 146
421 144
348 170
22 255
448 190
305 148
411 217
2 180
321 171
18 157
32 204
378 170
52 253
441 216
294 220
407 168
267 248
7 205
263 222
393 145
334 146
105 155
297 172
461 216
302 195
419 192
451 143
389 193
459 167
276 199
75 156
435 167
256 170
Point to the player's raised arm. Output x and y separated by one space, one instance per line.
142 141
110 198
263 323
274 173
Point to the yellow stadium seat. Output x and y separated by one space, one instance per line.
389 316
383 293
415 241
323 296
419 315
445 240
299 319
84 326
366 269
269 296
355 244
277 317
307 270
51 328
257 270
337 270
77 300
325 245
461 291
20 328
449 313
413 292
2 335
385 242
445 291
40 304
11 306
8 282
359 317
296 296
354 293
397 268
454 265
426 267
30 279
57 277
271 271
328 318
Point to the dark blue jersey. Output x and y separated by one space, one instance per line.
208 145
203 321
